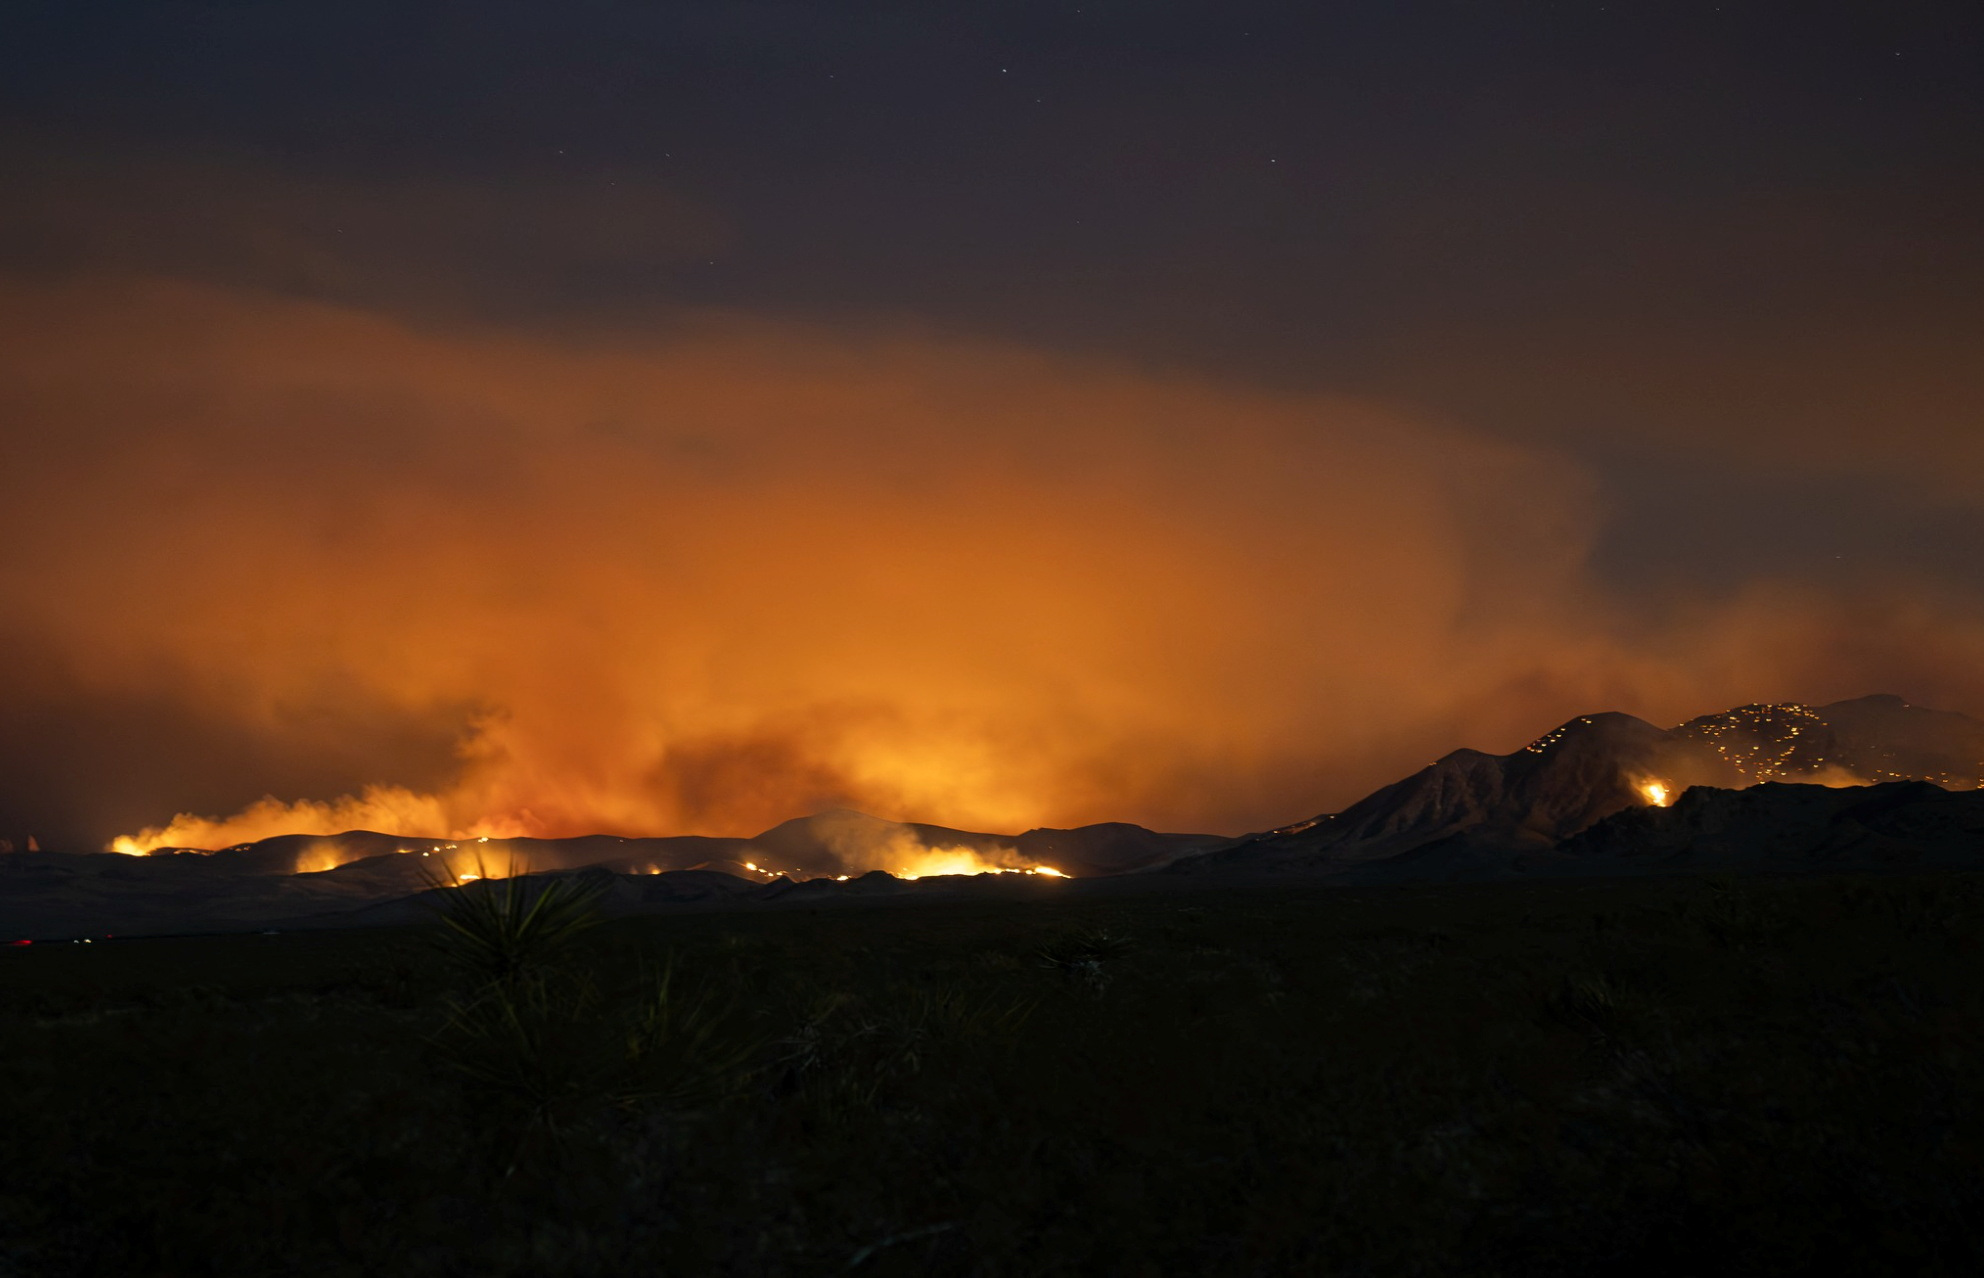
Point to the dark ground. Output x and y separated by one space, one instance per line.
1654 1076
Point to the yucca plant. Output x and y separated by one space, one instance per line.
543 1056
542 1039
1737 915
533 1047
1085 945
506 931
1084 956
683 1046
1587 1001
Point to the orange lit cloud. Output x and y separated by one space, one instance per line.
706 581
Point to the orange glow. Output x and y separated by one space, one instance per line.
1655 793
708 581
387 809
320 856
932 862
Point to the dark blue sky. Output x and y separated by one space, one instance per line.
1644 231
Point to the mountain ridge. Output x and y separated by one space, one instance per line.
1593 766
1871 782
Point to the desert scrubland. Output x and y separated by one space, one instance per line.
1662 1075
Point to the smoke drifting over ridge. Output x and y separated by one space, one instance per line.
463 582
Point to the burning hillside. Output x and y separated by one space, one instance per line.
834 845
1868 740
1595 766
1603 793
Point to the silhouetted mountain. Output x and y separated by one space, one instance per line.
824 845
307 853
1560 783
1784 827
1472 811
1110 847
359 875
842 841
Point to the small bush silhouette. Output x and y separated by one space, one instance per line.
1084 956
1586 1002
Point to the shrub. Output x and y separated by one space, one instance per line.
508 931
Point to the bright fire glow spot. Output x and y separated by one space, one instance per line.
125 845
466 877
1655 792
937 861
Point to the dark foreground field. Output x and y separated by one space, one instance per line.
1674 1077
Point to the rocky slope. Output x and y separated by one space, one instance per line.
1476 814
1787 828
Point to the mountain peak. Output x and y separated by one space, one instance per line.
827 818
1606 728
1881 700
1590 767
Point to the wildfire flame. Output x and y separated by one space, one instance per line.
389 809
905 856
939 861
910 858
1655 793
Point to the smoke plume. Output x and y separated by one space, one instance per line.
319 568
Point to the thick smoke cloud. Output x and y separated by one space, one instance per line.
455 582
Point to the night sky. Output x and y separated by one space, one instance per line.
677 417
